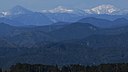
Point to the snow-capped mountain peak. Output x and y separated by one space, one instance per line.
102 9
59 9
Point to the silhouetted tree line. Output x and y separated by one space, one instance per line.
0 70
122 67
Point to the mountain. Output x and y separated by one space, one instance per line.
95 49
107 41
107 11
6 30
6 44
31 39
10 22
23 36
31 19
74 31
22 16
103 23
62 14
100 38
18 10
120 22
96 22
41 35
73 43
63 17
80 30
52 27
102 9
106 16
59 9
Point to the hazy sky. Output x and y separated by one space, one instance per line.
38 5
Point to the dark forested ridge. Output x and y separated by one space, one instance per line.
63 43
117 67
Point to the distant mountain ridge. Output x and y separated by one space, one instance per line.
20 16
18 10
100 9
103 23
23 16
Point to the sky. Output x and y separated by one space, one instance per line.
37 5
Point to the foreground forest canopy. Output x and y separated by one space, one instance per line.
117 67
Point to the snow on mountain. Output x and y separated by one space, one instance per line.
102 9
3 14
58 9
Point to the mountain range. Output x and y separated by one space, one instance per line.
20 16
64 36
63 43
101 9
